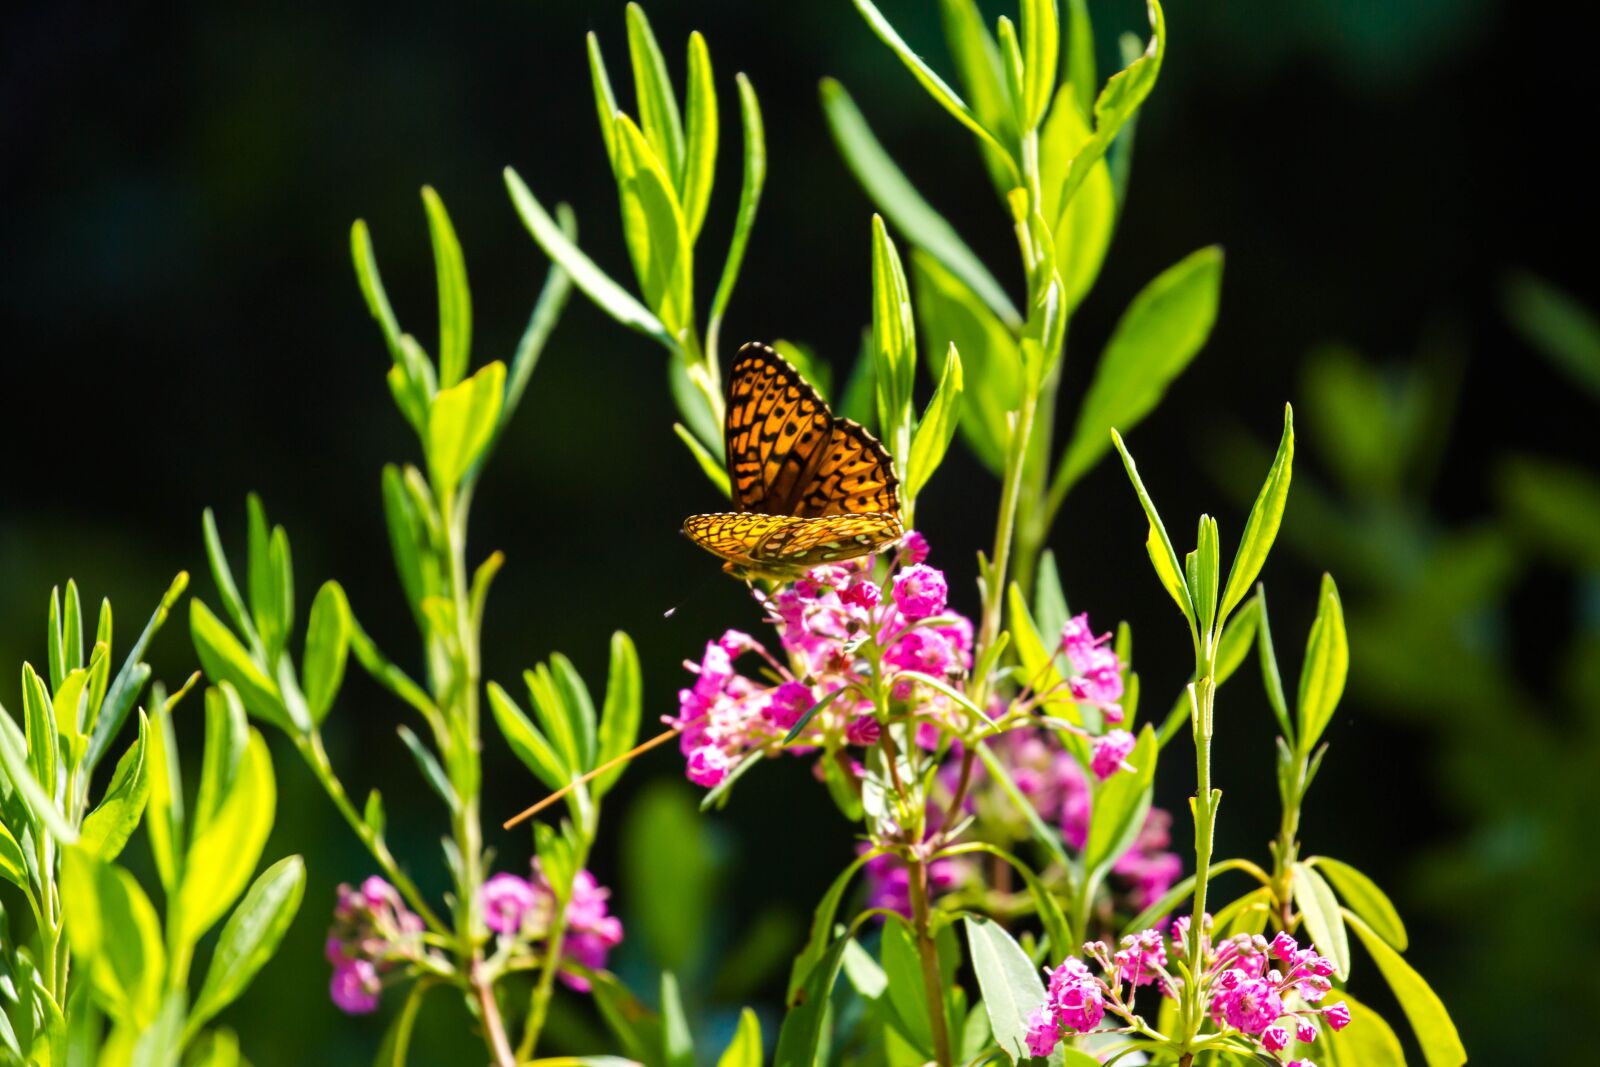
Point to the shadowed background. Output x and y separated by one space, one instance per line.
183 326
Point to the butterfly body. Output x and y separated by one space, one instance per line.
808 488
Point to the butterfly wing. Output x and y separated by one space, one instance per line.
756 545
777 431
854 476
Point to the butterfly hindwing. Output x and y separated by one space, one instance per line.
855 476
781 545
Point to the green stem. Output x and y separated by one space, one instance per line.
1205 813
549 967
1005 525
928 950
316 757
494 1027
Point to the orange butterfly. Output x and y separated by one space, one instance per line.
808 488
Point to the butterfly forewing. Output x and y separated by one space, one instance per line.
809 488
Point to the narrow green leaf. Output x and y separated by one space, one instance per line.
1009 981
1368 1041
663 830
1270 676
455 299
227 735
801 1032
461 421
428 764
1441 1046
1011 62
250 937
396 1046
942 93
131 678
113 928
1041 45
1202 567
1081 227
1162 330
745 1048
1261 529
605 99
579 706
226 660
327 648
700 150
39 722
1080 74
225 851
907 992
525 740
893 195
677 1044
13 864
595 283
710 465
371 283
821 936
620 715
658 107
1124 92
893 336
14 761
1157 543
1327 663
653 223
107 828
1050 597
1558 326
1323 918
805 719
164 813
755 177
937 427
978 64
264 605
1365 899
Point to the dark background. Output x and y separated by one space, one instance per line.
182 326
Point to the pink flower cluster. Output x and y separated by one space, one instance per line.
888 879
832 625
1265 991
373 932
523 910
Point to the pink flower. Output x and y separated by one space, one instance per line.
1301 1063
920 591
1081 1006
506 901
788 702
1109 752
354 988
1043 1032
1251 1005
861 593
1338 1016
1274 1039
913 548
1305 1031
863 730
591 931
1285 947
708 766
1142 957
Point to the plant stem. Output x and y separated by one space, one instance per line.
1005 525
549 967
494 1027
933 985
1202 693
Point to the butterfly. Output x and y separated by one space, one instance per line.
807 488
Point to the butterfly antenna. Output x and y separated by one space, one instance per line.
699 587
659 739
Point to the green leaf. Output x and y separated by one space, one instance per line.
227 735
555 719
1261 529
653 223
14 761
1051 917
1011 65
1559 327
264 604
700 150
1080 73
893 336
112 822
951 314
130 679
1082 226
542 321
461 422
250 937
39 722
226 660
1157 543
620 715
607 295
1117 102
1441 1046
711 466
225 851
745 1048
1120 804
1009 981
821 937
1044 834
164 814
525 740
677 1044
1368 1041
1327 663
801 1032
1201 568
907 992
1041 45
574 697
1365 899
662 830
113 927
218 1048
937 427
1271 679
371 283
396 1046
1049 596
1323 918
978 63
432 773
455 300
13 864
1158 335
658 107
755 176
893 195
327 646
